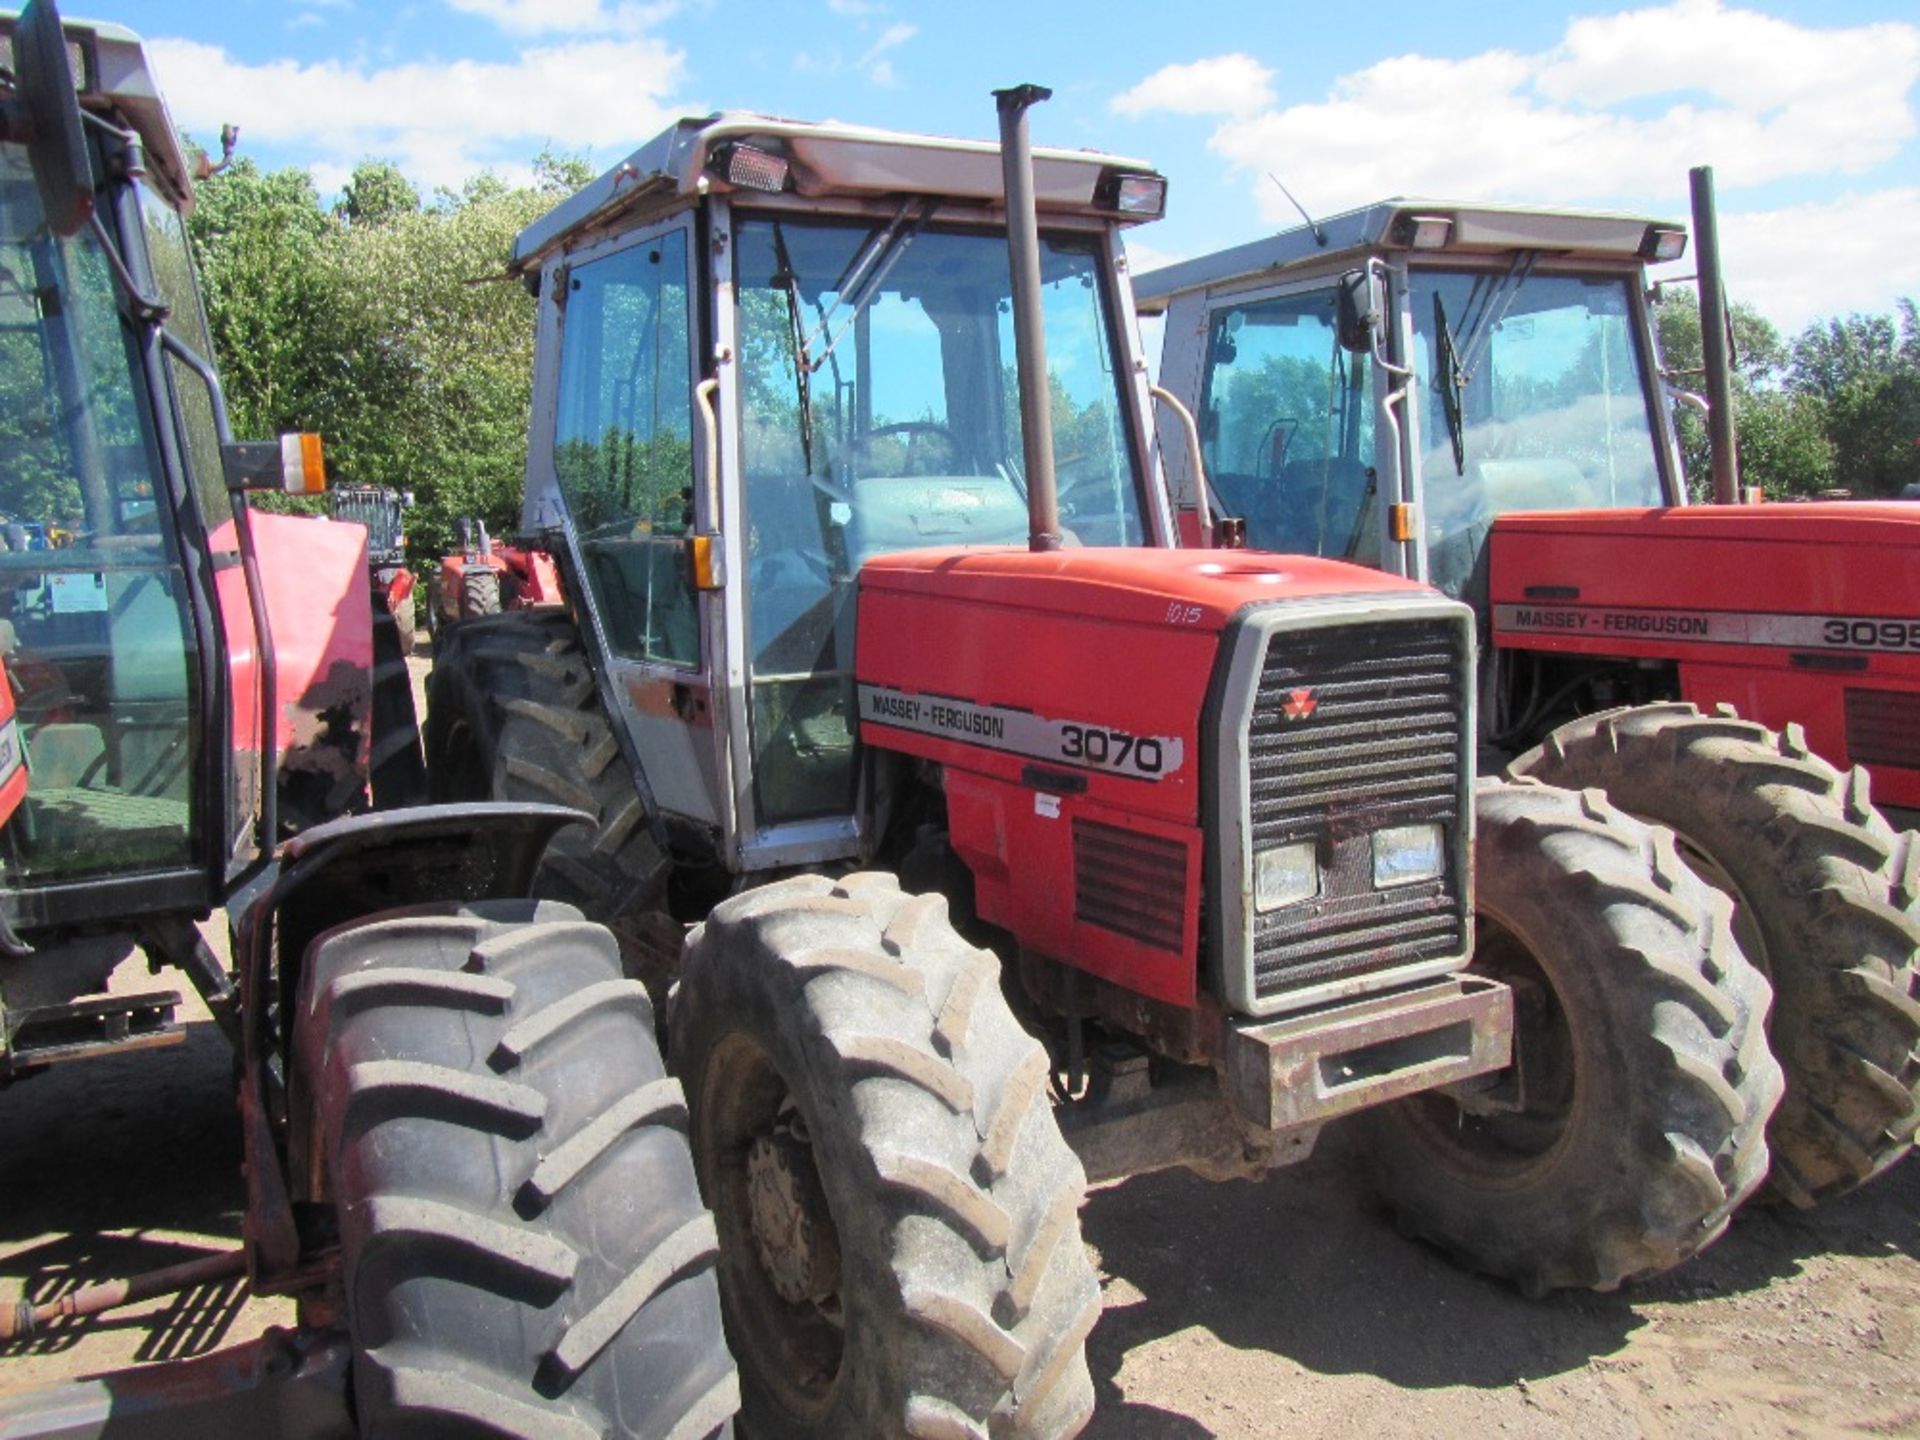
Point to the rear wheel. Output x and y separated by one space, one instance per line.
513 714
523 1250
898 1214
1632 1121
1827 903
396 774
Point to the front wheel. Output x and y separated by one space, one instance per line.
1632 1121
898 1214
1827 901
523 1250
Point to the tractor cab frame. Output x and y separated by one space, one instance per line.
823 316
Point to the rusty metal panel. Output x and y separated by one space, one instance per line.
1313 1067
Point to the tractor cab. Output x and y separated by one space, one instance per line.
95 625
1383 386
133 624
852 289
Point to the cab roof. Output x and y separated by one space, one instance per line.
111 70
1473 227
826 158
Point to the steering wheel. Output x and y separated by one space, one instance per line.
861 449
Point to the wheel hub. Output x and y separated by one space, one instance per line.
792 1229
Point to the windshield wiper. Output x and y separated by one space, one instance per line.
797 332
1449 381
862 282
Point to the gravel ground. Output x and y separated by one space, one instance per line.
1286 1308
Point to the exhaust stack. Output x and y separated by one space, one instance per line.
1029 336
1714 349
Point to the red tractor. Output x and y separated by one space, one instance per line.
1471 395
1011 845
485 577
463 1157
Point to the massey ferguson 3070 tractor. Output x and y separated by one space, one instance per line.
878 638
1471 395
463 1156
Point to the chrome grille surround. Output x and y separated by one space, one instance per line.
1403 753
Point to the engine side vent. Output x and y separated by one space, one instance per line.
1883 728
1132 884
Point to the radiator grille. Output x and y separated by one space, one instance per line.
1883 728
1383 745
1132 884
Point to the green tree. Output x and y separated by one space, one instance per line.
1781 434
1864 370
376 193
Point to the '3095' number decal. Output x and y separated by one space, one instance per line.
1112 749
1872 634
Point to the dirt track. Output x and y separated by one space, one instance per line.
1282 1309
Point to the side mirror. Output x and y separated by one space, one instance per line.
1362 318
56 142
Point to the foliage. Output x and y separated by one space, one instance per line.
385 323
1837 407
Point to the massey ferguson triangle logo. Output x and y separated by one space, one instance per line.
1299 704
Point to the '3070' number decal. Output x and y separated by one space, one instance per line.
1112 749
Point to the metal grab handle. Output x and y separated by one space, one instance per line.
710 432
1172 402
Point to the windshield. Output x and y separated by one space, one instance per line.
92 618
1287 428
1534 400
880 412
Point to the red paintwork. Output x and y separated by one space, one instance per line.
1830 559
320 611
527 578
13 787
1125 639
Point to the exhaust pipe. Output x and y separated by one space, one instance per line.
1714 350
1029 335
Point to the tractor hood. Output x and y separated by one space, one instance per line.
1705 582
1129 586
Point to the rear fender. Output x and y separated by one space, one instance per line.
333 875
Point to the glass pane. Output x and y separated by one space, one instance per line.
623 451
92 615
1287 428
173 270
879 412
1552 411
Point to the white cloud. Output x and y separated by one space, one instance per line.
1828 258
1761 99
1224 85
879 68
1615 114
563 17
441 122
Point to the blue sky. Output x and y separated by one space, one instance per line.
1809 113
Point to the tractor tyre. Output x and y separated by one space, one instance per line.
396 774
479 592
406 619
523 1251
513 714
900 1248
1633 1120
1826 902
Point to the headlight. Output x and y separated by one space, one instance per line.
1285 875
1408 854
